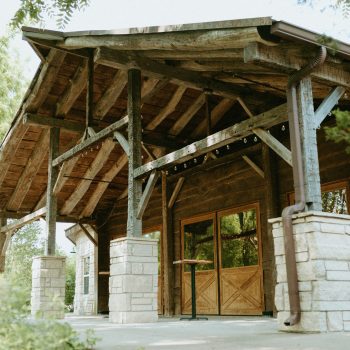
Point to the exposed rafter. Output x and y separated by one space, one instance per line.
91 172
111 94
75 88
28 175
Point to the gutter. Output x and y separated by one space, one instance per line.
299 182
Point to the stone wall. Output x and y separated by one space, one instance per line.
133 282
85 304
322 243
48 286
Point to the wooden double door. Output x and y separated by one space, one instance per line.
232 284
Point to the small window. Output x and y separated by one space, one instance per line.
86 270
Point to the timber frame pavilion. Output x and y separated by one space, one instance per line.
135 129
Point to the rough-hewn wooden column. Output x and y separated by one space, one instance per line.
272 211
51 201
3 222
134 226
309 145
168 250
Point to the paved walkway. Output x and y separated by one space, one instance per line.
241 333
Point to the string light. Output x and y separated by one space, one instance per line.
175 167
185 165
195 160
228 147
217 151
245 140
255 139
283 128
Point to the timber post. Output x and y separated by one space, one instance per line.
168 250
134 225
3 222
308 140
272 211
51 201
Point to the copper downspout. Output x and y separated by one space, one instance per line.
298 176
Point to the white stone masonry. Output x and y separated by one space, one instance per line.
133 282
322 243
48 286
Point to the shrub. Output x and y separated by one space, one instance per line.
18 331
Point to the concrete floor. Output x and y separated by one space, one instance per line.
241 333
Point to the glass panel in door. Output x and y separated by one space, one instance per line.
199 243
240 271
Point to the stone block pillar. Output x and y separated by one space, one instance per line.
322 243
133 282
48 286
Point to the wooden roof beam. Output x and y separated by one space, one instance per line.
223 38
185 118
178 76
43 83
103 185
216 114
73 91
280 60
29 172
24 220
90 174
35 119
91 140
267 119
168 109
111 94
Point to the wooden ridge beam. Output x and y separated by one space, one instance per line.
67 125
267 119
168 109
111 94
209 39
28 174
75 88
102 186
185 118
216 114
146 195
277 59
88 235
92 171
328 104
176 192
91 140
254 166
24 220
179 76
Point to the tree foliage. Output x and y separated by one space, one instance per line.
341 131
25 244
35 11
17 331
12 85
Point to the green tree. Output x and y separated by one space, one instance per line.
25 244
70 281
34 11
12 85
341 131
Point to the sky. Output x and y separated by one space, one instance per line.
114 14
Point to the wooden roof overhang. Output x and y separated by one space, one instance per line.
243 65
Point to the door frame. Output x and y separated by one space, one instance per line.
236 210
215 215
192 220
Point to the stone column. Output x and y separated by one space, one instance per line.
48 286
133 282
322 243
